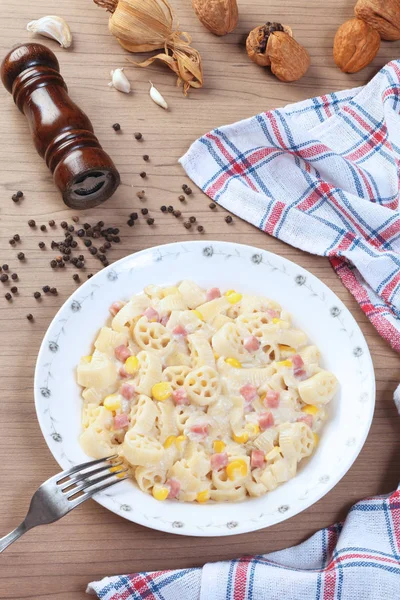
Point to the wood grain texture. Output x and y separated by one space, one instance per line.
56 562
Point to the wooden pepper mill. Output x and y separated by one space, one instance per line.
62 133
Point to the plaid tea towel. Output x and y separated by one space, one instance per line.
321 175
357 560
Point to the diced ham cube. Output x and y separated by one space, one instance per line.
198 431
151 314
272 313
219 460
257 459
251 343
127 391
249 392
271 399
122 372
122 353
164 320
116 307
307 419
121 421
180 331
297 361
212 294
174 487
265 420
179 396
300 374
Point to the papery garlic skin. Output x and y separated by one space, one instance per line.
52 27
157 97
120 81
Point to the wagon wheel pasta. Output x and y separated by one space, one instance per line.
206 396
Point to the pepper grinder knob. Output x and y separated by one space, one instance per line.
62 133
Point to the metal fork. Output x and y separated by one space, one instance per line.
63 492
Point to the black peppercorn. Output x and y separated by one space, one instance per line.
187 225
75 219
8 296
52 223
185 186
79 264
17 237
5 267
88 243
170 209
130 223
46 289
102 249
228 219
143 174
66 257
53 264
43 228
14 198
146 157
134 216
141 194
20 256
93 251
150 221
41 245
54 244
138 135
100 224
188 191
116 239
74 244
80 232
102 257
212 205
31 223
81 257
74 260
163 208
96 234
71 228
61 264
177 213
14 276
14 289
53 291
192 219
181 198
37 295
116 127
86 226
200 228
12 242
75 277
3 277
64 224
90 275
115 231
20 194
109 238
144 211
29 317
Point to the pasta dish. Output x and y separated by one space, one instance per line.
205 394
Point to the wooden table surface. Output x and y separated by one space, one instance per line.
57 561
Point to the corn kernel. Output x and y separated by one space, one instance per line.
219 446
170 290
316 440
198 314
131 365
234 298
276 321
181 439
310 409
252 428
203 496
216 356
242 438
233 363
117 471
229 292
284 348
236 468
160 492
112 402
169 441
274 453
86 359
284 363
161 391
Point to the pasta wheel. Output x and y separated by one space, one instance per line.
108 340
143 415
176 375
182 415
192 294
146 477
133 309
296 440
140 450
152 336
201 353
252 323
202 385
228 342
318 389
149 372
100 373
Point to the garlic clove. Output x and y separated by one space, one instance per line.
52 27
157 97
120 81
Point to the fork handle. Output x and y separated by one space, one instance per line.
11 537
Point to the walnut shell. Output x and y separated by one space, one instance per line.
355 45
256 43
218 16
289 60
382 15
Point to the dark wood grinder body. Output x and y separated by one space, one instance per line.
62 133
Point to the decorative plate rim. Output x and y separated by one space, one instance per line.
207 249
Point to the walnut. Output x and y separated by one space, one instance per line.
355 46
218 16
382 15
272 45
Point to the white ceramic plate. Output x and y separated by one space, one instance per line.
315 309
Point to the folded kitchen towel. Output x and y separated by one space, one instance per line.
357 560
321 175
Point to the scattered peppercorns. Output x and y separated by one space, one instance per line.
53 291
146 157
181 198
5 267
14 289
200 228
29 316
141 194
130 222
46 289
143 174
138 135
64 224
53 264
43 228
93 250
192 219
228 219
31 223
8 296
3 277
14 198
14 276
81 232
90 275
150 221
75 277
144 211
41 245
88 243
75 219
187 225
134 216
163 208
21 256
12 242
16 237
52 223
20 194
37 295
212 205
116 127
177 213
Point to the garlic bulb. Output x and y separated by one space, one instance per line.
157 97
120 81
52 27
